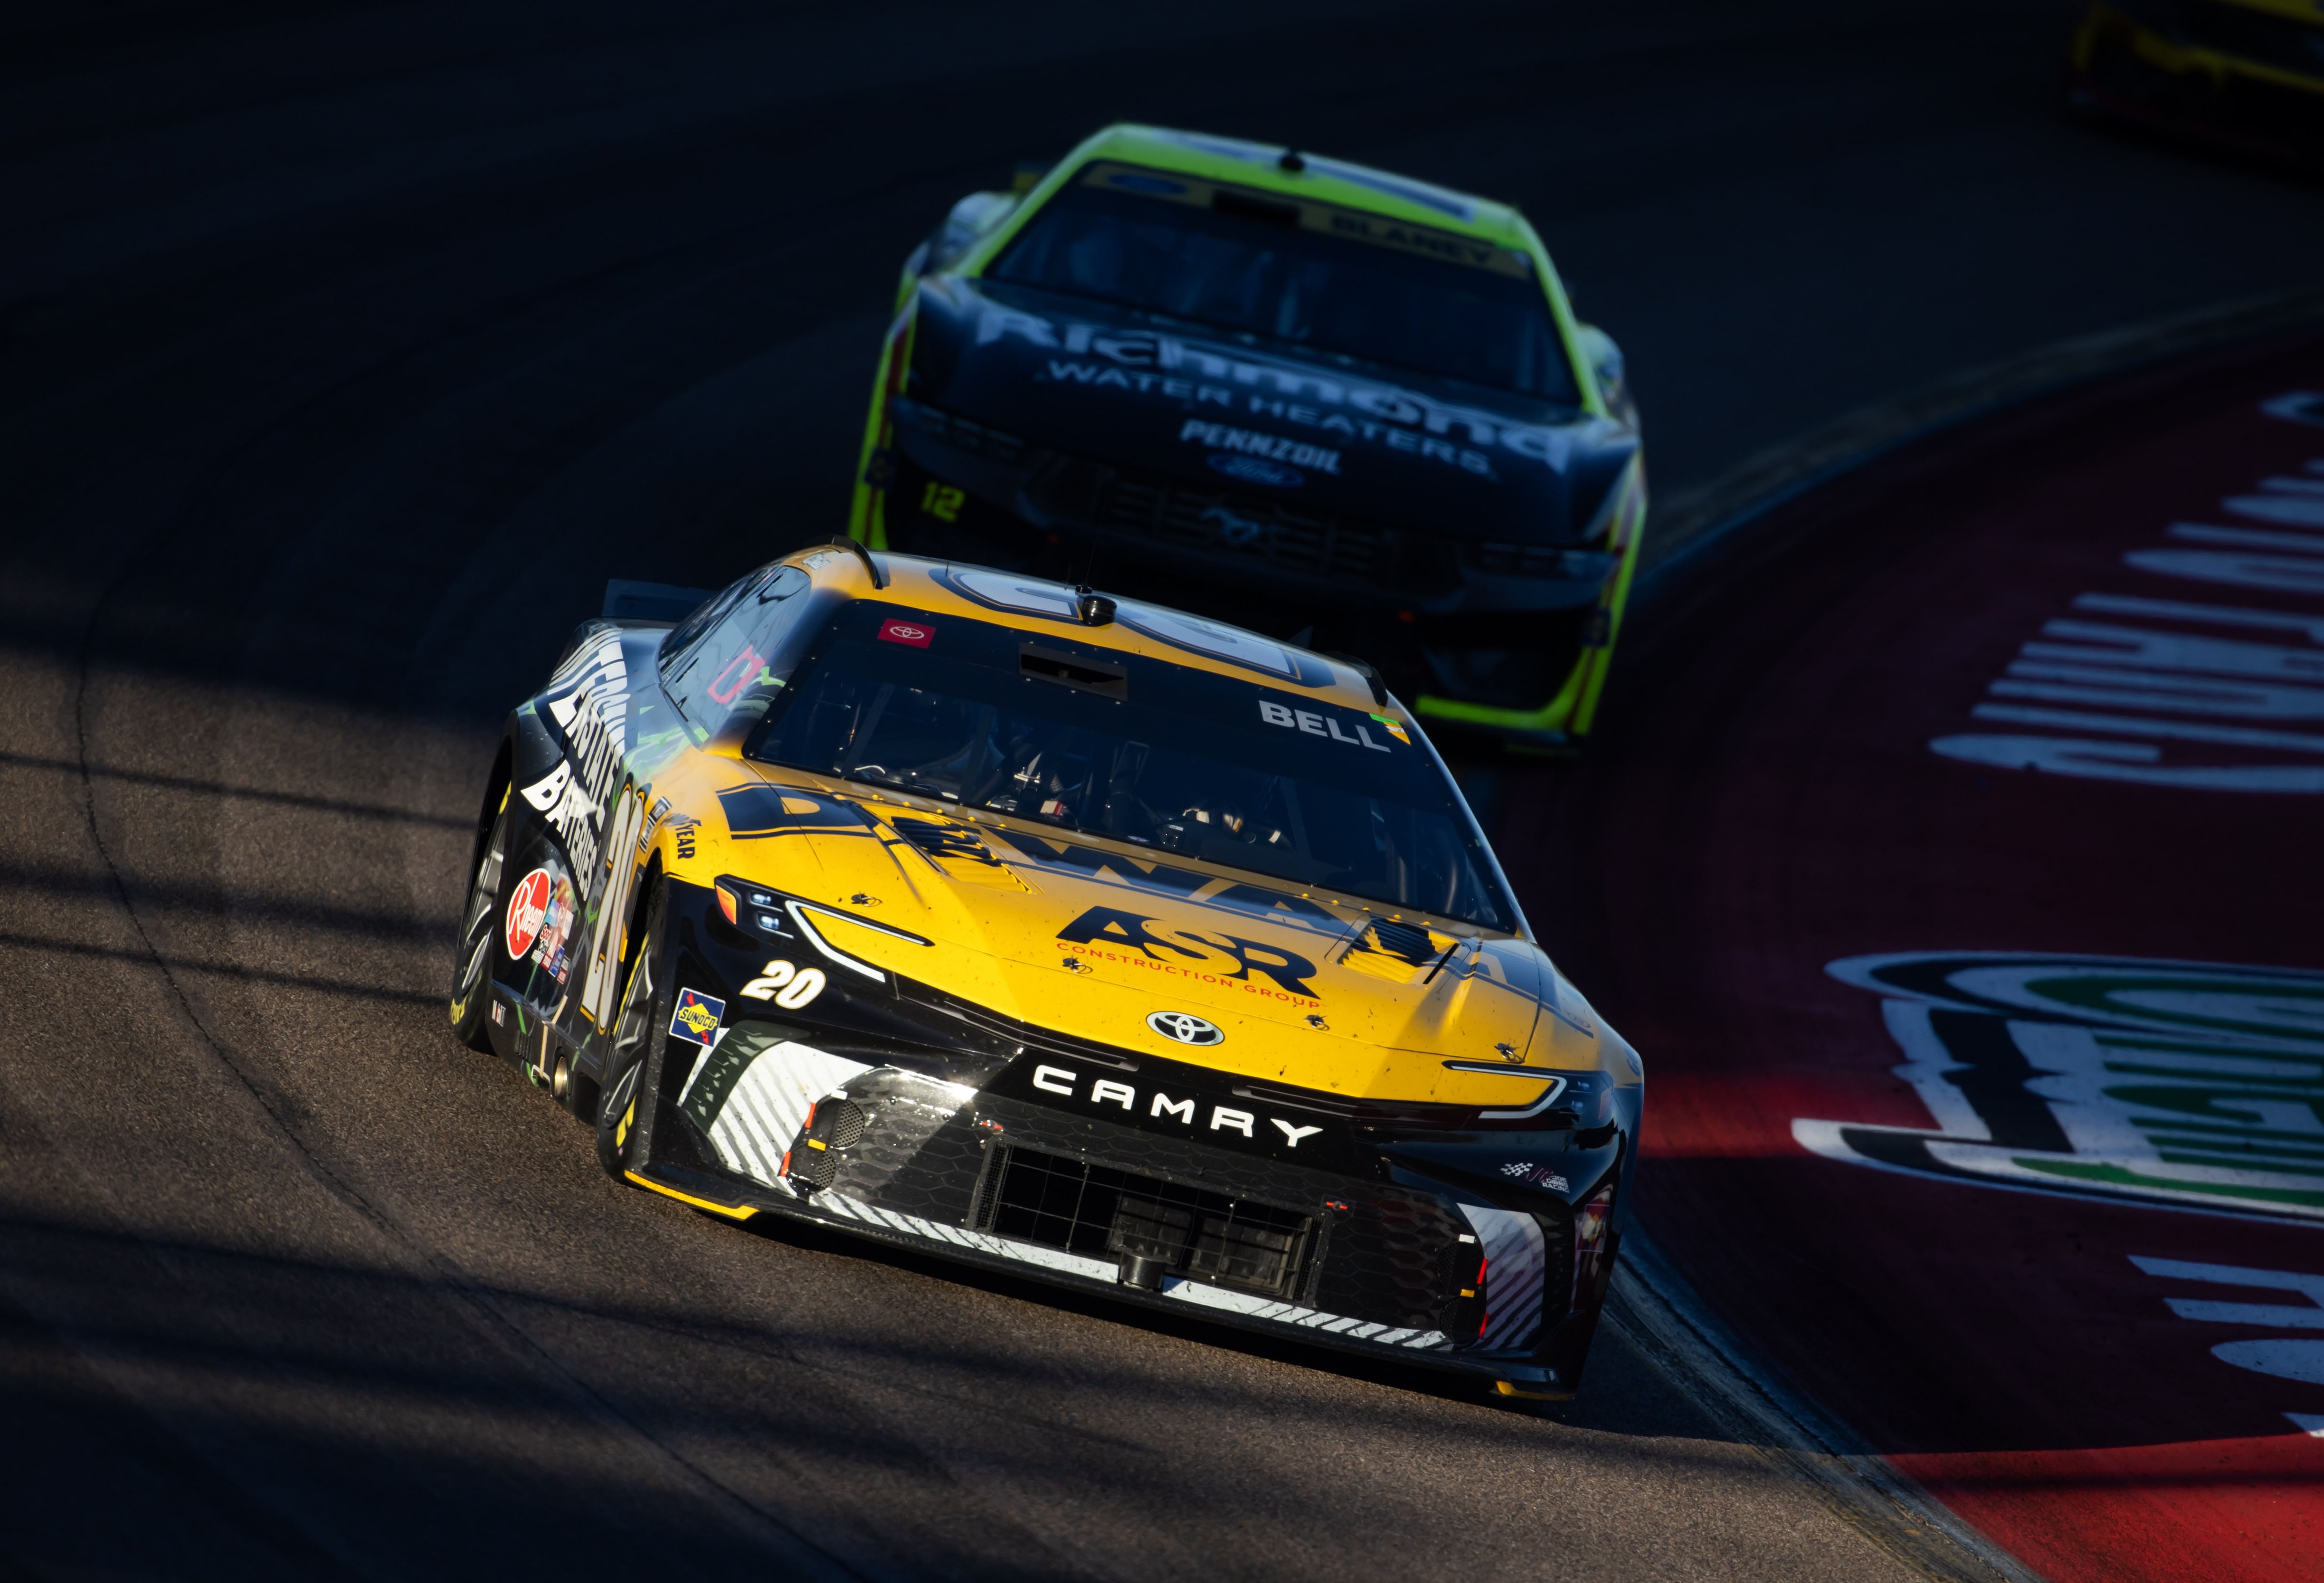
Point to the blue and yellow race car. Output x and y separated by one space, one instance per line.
1318 399
1065 936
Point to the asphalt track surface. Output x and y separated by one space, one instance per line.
347 353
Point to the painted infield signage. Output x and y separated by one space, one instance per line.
2193 1085
2208 693
2297 1357
2187 1085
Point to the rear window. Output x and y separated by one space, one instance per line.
1333 282
1154 754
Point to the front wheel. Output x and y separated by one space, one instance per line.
636 1036
472 994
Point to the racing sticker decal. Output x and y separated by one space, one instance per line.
759 810
1268 447
1255 901
575 796
627 842
1321 725
2191 1085
697 1017
784 984
1178 1103
1210 959
914 633
1339 409
550 950
528 905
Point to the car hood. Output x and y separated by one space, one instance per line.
1081 938
1083 381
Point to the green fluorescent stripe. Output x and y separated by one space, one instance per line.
2226 1162
2212 1080
2114 1175
2229 1151
2158 1124
2230 1146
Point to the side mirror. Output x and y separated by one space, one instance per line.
969 220
1606 365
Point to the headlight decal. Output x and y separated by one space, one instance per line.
1516 1266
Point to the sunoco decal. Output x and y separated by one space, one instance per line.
2192 1085
695 1016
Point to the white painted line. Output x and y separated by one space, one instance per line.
2210 614
2135 726
1654 1309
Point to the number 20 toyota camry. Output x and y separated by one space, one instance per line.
1060 935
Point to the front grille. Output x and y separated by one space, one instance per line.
1024 1035
1540 561
1517 559
2283 43
1192 516
1096 1211
962 433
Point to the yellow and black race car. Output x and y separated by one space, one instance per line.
1280 390
1060 934
2246 72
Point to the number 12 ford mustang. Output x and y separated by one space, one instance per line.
1058 934
1280 390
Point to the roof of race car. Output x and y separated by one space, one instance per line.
937 587
1259 165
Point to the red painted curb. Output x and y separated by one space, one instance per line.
1957 858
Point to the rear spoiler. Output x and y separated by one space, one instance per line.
628 601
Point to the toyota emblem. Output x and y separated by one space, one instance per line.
1180 1027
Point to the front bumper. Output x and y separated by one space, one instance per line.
991 1145
1390 1267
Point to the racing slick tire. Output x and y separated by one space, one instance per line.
472 996
639 1029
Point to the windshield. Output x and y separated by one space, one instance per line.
1329 280
1228 771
